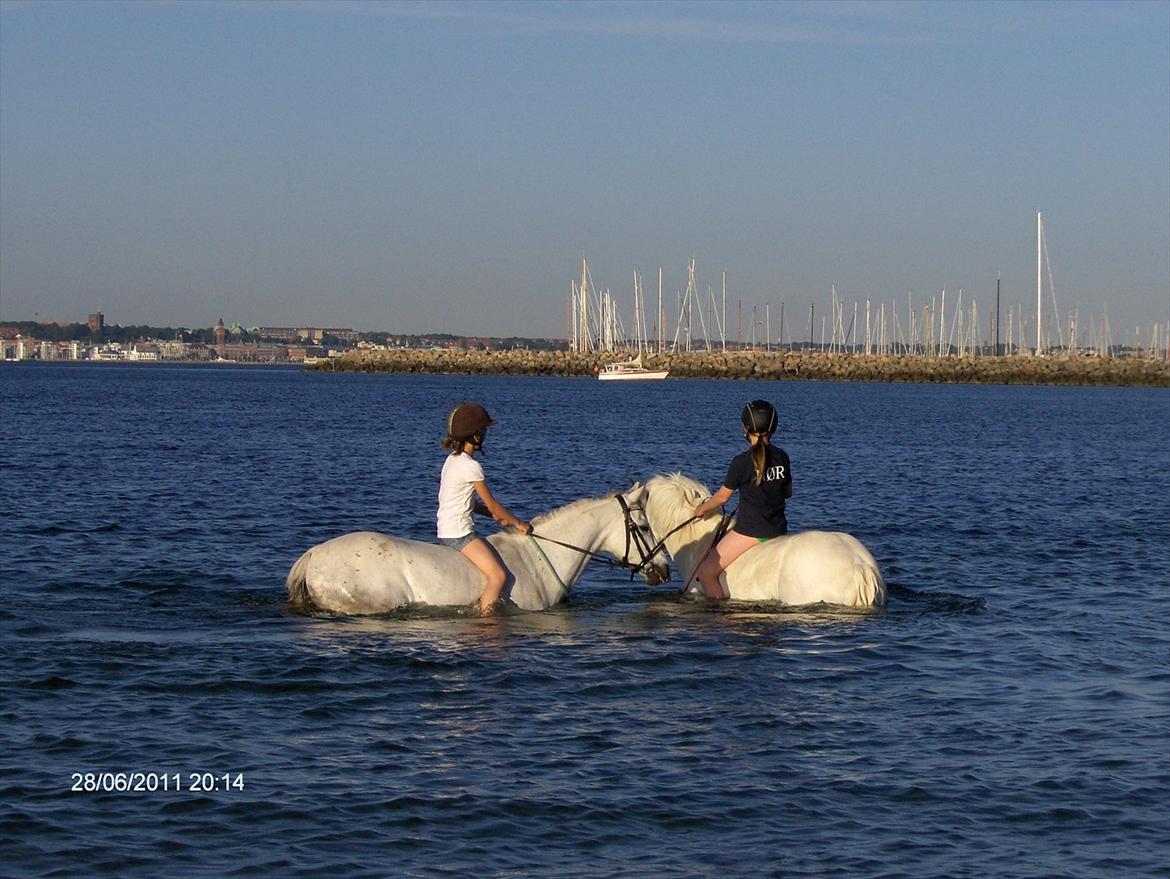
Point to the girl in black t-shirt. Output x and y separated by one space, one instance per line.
763 477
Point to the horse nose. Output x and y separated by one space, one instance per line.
658 574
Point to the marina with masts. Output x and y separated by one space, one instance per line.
948 337
949 323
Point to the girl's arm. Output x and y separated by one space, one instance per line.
714 502
497 510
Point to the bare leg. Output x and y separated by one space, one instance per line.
731 547
480 554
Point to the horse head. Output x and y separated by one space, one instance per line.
614 524
670 502
642 552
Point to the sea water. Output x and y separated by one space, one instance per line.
165 712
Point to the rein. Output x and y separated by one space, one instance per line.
633 535
561 583
725 520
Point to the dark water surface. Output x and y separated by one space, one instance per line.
1007 715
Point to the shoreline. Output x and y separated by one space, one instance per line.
773 366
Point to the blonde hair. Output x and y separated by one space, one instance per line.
760 455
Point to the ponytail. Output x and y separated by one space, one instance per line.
455 443
760 456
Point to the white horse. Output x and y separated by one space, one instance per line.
796 569
365 572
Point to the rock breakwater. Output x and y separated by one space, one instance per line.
783 366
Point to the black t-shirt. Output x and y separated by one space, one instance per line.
761 507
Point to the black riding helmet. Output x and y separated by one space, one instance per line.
759 416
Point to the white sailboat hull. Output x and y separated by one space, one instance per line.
632 375
629 370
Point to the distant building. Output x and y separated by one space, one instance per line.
96 322
252 352
109 351
171 349
307 334
220 333
60 351
298 353
14 349
142 352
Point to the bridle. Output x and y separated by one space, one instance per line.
635 540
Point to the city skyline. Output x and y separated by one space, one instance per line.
442 168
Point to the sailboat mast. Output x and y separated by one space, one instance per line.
637 311
1039 290
723 323
659 321
997 314
583 292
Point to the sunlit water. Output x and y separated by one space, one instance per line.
1006 715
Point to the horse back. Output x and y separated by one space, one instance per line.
810 567
367 572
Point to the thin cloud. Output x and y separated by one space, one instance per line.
602 19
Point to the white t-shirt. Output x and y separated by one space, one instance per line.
457 495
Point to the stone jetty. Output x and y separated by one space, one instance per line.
782 366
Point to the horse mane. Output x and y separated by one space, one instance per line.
674 495
552 515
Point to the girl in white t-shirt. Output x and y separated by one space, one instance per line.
462 491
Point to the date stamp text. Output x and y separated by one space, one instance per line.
156 782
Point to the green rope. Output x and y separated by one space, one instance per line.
560 582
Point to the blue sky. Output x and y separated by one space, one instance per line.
443 167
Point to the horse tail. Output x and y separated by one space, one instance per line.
871 588
296 582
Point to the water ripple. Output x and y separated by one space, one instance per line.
1004 715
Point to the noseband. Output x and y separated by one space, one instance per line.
635 536
648 552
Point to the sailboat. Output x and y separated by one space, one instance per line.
630 370
633 369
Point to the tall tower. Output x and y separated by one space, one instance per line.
220 332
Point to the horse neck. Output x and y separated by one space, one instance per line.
581 524
688 551
688 545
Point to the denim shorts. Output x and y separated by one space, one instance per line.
457 543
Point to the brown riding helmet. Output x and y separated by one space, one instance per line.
466 420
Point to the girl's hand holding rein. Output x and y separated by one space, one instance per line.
710 504
514 524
